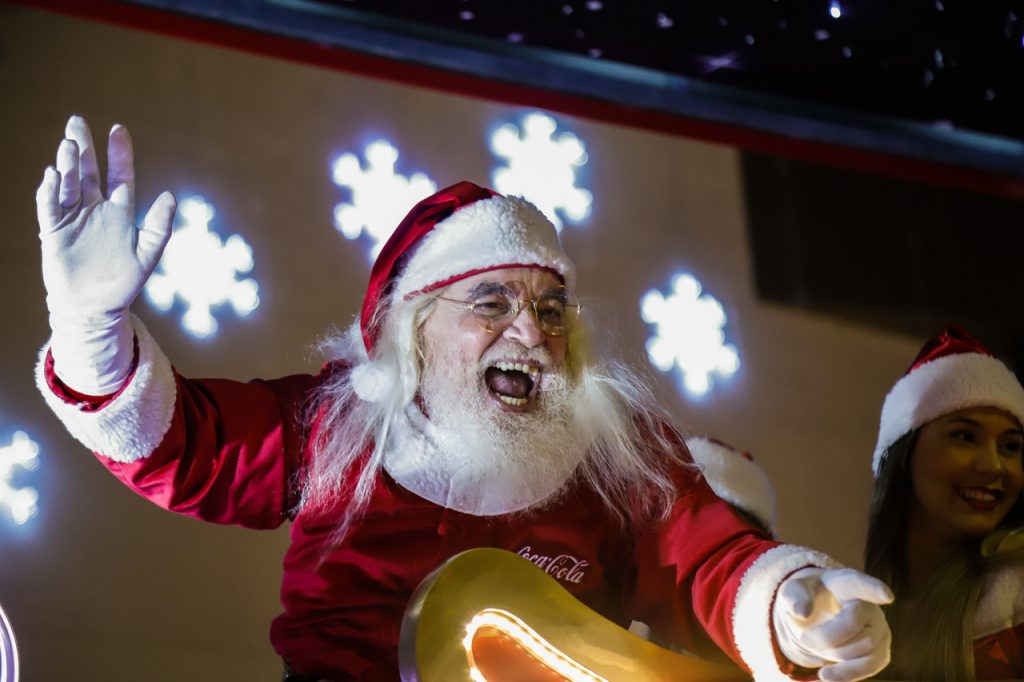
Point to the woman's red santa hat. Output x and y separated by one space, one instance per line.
458 232
953 371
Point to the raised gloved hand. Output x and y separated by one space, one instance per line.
95 260
830 619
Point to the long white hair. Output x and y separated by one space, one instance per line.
628 465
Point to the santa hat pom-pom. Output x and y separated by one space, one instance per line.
373 381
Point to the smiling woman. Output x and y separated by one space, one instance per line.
945 528
966 475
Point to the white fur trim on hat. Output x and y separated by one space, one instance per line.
131 425
944 385
486 234
751 614
735 478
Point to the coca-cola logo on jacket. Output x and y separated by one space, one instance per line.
564 567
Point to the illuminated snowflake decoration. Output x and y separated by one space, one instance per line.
542 167
380 197
689 334
201 270
22 453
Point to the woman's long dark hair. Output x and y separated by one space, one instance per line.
932 623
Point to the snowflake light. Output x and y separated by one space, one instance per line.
689 334
22 453
380 197
201 270
541 167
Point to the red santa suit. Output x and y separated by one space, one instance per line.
235 453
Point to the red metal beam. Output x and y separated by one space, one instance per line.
305 52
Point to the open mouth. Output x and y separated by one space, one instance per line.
513 383
981 498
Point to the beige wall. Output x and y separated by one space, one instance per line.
102 586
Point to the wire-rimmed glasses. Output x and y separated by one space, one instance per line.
495 306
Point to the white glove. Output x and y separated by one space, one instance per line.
830 619
95 261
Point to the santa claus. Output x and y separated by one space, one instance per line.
462 409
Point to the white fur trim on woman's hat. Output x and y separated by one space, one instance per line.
952 372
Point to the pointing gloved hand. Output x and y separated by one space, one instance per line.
95 260
830 619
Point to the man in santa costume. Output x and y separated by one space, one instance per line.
462 409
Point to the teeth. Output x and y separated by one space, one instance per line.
534 372
515 402
980 495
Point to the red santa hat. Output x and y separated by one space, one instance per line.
458 232
953 371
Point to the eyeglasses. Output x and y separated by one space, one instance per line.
496 306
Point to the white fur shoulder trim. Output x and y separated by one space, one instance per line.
751 615
132 425
1001 605
736 478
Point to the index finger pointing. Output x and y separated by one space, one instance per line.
847 584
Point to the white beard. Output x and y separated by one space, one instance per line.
473 456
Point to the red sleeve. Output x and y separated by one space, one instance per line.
697 557
689 572
230 455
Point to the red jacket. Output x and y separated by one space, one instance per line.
232 452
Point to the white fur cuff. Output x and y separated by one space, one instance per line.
131 425
751 615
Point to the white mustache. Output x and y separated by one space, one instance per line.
510 350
